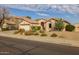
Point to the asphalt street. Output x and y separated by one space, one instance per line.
13 46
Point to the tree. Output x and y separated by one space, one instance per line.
4 14
37 19
59 25
69 27
28 17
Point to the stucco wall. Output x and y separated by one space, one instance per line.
52 22
76 27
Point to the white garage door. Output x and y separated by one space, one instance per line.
26 27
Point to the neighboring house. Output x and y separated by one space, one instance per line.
9 25
17 20
12 23
76 27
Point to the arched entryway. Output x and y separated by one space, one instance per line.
42 24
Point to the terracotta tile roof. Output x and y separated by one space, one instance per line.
10 22
66 21
17 17
33 21
29 20
57 20
49 20
24 22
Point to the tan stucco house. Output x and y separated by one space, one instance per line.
12 23
17 22
45 24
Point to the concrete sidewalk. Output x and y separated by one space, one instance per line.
46 39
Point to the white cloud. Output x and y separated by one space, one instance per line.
72 9
42 14
30 7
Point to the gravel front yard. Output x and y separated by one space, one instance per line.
70 41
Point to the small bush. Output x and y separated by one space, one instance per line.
35 28
4 29
38 27
29 33
54 35
36 33
69 27
43 34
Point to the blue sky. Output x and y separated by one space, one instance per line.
68 12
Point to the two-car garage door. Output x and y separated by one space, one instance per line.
25 27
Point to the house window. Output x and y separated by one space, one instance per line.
50 25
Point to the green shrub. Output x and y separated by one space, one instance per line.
38 27
35 28
54 35
69 27
43 34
